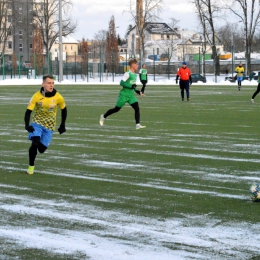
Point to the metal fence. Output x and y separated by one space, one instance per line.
95 67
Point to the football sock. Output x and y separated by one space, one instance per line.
135 106
32 154
111 111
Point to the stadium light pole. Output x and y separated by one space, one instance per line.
232 45
60 43
232 51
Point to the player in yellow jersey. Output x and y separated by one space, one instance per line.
240 74
45 102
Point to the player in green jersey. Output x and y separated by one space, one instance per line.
257 91
45 102
126 95
143 77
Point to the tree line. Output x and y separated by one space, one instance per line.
234 23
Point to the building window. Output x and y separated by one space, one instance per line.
10 45
162 37
20 37
20 32
9 33
20 47
168 36
9 6
158 51
9 18
20 19
30 45
30 33
71 47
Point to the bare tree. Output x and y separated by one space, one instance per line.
230 37
174 23
249 13
37 51
98 46
208 11
128 30
46 18
143 12
14 63
84 56
112 58
101 36
5 24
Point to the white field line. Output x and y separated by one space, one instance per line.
191 155
147 185
131 237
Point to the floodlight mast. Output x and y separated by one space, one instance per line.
60 43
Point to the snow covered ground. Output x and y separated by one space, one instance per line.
72 225
159 80
120 236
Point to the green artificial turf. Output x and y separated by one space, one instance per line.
193 158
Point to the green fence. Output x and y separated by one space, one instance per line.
95 67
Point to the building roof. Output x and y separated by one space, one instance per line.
67 39
158 28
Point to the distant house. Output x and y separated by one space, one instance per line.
70 48
191 46
153 32
160 39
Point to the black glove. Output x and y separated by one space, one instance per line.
134 86
190 82
62 129
138 92
176 81
29 128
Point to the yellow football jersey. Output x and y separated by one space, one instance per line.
240 71
46 109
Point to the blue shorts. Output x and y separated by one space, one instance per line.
239 78
44 134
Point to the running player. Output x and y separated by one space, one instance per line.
257 90
46 101
143 77
240 73
126 95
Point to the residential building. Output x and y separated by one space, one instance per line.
161 40
192 44
70 48
153 32
22 28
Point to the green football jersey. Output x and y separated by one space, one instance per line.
143 73
128 80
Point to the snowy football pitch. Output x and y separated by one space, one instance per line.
175 190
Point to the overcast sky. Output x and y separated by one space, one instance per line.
94 15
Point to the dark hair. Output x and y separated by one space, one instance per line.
143 65
131 61
47 76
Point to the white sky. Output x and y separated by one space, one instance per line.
94 15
